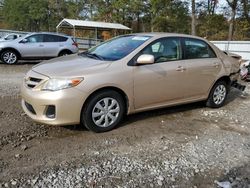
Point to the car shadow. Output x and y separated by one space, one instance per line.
234 94
23 62
159 112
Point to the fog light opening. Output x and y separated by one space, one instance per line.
30 108
51 112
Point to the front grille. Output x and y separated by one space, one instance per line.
30 108
32 82
35 79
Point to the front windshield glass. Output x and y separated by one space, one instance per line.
117 48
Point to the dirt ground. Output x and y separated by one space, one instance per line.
184 146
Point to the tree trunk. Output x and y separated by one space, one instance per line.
193 27
231 26
233 5
138 22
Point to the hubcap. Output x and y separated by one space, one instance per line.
219 94
9 57
105 112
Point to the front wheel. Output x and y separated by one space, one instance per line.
103 111
218 95
9 57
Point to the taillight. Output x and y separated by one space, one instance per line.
75 44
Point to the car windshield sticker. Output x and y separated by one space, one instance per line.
140 38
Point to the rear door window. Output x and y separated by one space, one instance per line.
196 49
54 38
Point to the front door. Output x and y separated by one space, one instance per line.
162 82
33 46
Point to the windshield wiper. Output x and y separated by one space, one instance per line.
92 55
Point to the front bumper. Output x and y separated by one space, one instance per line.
67 105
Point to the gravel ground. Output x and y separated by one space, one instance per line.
184 146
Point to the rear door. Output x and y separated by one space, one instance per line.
32 47
203 67
53 44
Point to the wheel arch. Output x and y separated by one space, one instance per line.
225 78
12 49
65 50
108 88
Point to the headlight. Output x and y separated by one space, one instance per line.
55 84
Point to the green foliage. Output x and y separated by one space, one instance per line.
213 27
172 17
140 15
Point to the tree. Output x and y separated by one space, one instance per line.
212 27
211 4
193 25
172 17
246 9
233 5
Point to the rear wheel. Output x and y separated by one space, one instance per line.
218 95
103 111
9 57
64 53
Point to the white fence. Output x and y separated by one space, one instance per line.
5 32
241 48
86 43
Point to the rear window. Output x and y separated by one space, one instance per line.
54 38
196 49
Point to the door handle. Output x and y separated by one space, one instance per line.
180 68
216 64
41 45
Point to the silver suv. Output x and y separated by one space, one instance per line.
37 46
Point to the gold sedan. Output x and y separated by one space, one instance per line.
125 75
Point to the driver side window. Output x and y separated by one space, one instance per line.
167 49
35 39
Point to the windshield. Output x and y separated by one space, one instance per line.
117 48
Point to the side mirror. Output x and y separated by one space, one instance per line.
145 59
24 41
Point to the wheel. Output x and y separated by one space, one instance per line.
103 111
64 53
218 95
9 57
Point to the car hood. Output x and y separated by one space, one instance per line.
70 66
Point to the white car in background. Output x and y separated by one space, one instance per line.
37 46
11 36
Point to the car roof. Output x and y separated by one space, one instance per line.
163 34
50 33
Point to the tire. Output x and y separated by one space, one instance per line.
96 115
9 57
218 95
64 53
